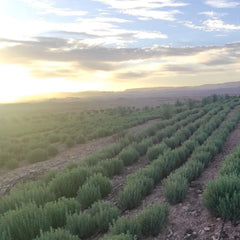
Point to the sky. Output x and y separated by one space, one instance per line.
112 45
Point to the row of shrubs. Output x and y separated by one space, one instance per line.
75 182
25 223
174 140
54 185
98 219
31 221
40 148
115 149
148 223
67 183
68 128
71 185
142 182
222 195
179 180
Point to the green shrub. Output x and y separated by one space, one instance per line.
143 146
37 155
172 142
120 237
104 213
82 225
59 234
56 211
152 219
102 182
143 183
24 223
129 155
222 197
130 197
33 192
49 175
71 165
11 164
66 184
111 166
4 157
70 142
52 151
80 139
231 166
154 151
202 156
127 226
175 188
88 194
191 145
53 138
97 169
191 170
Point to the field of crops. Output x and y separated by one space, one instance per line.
32 136
102 197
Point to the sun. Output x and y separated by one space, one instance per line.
14 83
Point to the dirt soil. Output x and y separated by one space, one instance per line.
10 178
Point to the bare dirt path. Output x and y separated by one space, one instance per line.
190 220
75 154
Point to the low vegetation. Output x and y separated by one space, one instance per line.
30 136
222 195
75 203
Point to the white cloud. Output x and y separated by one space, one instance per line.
212 14
46 7
92 31
145 10
222 3
190 24
211 25
218 25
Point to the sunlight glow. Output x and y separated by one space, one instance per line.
16 83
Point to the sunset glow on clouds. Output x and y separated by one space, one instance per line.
78 45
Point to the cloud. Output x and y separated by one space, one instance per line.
133 75
58 49
219 25
222 3
212 14
120 68
93 31
53 57
146 10
46 7
212 25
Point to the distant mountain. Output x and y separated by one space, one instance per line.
232 88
